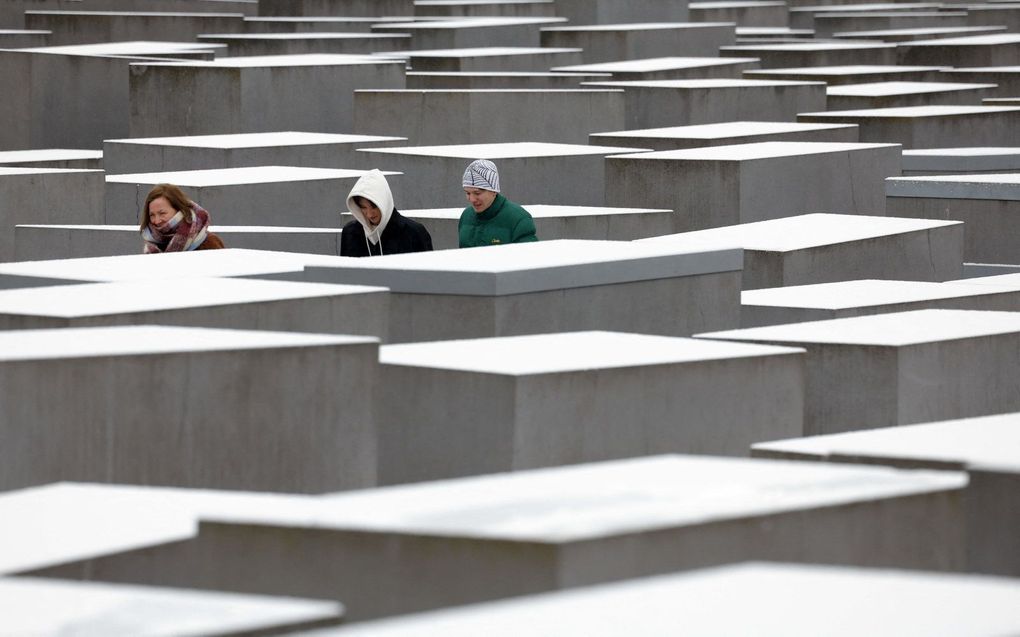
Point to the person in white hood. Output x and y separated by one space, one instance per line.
378 228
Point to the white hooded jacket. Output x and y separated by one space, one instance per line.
372 186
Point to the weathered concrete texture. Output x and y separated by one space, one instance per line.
488 59
819 248
87 27
621 11
777 56
246 7
884 370
316 24
483 116
728 185
1007 78
976 50
402 549
479 8
726 134
1005 14
930 126
53 158
555 399
935 161
986 447
653 103
567 174
500 80
909 35
12 13
803 17
822 301
47 195
668 68
38 242
895 94
258 195
987 203
252 44
142 49
22 38
254 94
207 152
549 286
269 411
854 74
368 8
37 606
213 302
471 32
829 23
610 42
743 13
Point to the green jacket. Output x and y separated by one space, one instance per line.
502 222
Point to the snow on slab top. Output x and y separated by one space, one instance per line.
987 442
472 23
151 340
649 65
864 293
884 330
640 26
747 4
141 14
507 150
126 297
566 352
136 47
48 154
997 186
318 35
908 112
238 176
1002 280
924 31
800 232
703 83
766 600
591 501
855 69
985 69
808 46
724 130
757 150
263 61
315 18
539 211
879 89
51 607
253 140
133 228
14 171
991 39
230 262
866 7
490 51
962 159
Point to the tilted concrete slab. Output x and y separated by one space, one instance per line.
819 248
935 161
53 158
466 80
852 74
480 8
908 35
634 41
617 11
828 23
1006 77
494 58
464 33
884 370
728 185
347 8
892 94
726 134
93 27
668 68
775 56
930 126
997 49
316 24
247 44
743 13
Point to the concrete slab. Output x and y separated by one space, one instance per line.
765 593
885 370
141 49
53 158
500 80
852 74
776 56
566 395
653 103
488 115
253 195
933 161
796 304
567 174
43 606
22 38
728 185
743 13
726 134
819 248
667 68
36 242
299 432
908 35
479 8
633 41
254 94
316 24
92 27
249 44
930 126
986 447
987 203
1000 49
201 152
472 32
828 23
803 17
365 8
487 59
894 94
777 33
397 550
1006 77
617 12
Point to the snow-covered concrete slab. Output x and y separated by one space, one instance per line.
889 94
726 134
463 33
853 74
248 44
490 58
637 40
92 27
930 126
996 49
52 158
667 68
987 159
776 56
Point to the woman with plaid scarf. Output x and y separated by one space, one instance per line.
173 223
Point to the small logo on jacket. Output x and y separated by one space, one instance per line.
495 241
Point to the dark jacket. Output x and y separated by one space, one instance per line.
502 222
400 235
212 242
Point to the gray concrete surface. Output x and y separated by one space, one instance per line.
668 68
930 126
634 41
894 94
726 134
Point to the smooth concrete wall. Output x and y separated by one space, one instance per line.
257 44
47 195
480 116
796 55
634 42
728 185
931 126
992 235
726 134
371 8
515 9
508 80
493 59
979 50
89 27
313 93
284 412
469 33
826 24
848 98
743 14
1007 78
621 11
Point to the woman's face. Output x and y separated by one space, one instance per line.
370 211
160 211
479 199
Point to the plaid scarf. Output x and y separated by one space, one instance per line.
177 234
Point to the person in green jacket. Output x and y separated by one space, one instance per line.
491 218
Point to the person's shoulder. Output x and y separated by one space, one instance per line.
468 215
516 208
410 223
352 226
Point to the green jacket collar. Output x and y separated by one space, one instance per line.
490 213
